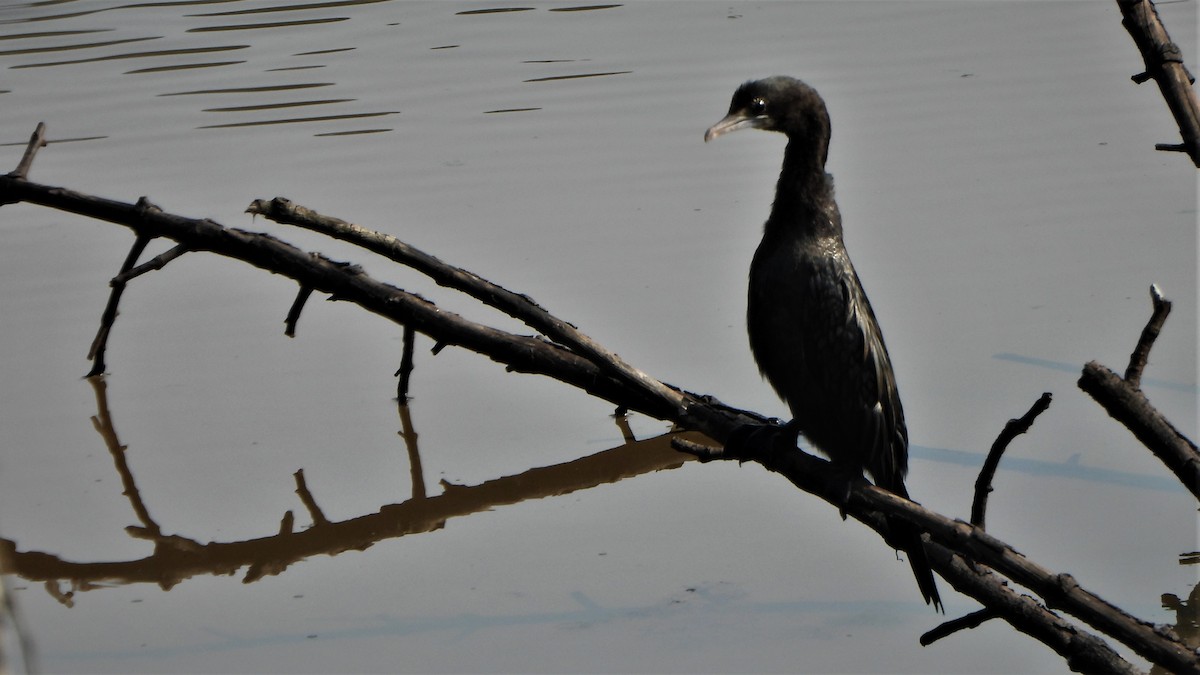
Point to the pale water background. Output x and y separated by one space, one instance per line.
1003 202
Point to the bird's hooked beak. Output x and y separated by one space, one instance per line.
734 121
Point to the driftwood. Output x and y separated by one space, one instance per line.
974 562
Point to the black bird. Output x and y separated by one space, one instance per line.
811 327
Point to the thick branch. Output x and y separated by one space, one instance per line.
868 504
1060 591
523 354
1129 406
516 305
1164 63
1083 651
950 538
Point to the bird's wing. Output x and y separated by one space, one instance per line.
847 356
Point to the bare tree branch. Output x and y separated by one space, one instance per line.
406 364
293 315
156 263
1164 63
952 539
966 622
1129 406
1124 401
957 549
519 353
100 343
1084 652
1014 428
518 306
1141 353
1058 590
37 141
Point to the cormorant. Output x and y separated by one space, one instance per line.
811 327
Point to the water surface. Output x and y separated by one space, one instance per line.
1003 203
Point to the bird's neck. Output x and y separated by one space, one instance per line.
804 203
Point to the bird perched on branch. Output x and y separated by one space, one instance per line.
811 327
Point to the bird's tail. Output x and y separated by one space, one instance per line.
908 537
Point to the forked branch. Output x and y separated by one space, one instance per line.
959 551
1124 400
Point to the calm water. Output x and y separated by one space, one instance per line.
1003 202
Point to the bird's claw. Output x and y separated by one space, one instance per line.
751 441
846 478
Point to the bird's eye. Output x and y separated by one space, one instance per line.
758 106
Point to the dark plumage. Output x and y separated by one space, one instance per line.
811 327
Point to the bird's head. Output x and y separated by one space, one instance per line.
778 103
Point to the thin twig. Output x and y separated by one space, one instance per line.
1141 353
37 140
109 316
293 315
970 621
1014 428
156 263
406 364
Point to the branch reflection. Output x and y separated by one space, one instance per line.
176 558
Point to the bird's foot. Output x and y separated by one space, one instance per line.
753 441
844 480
